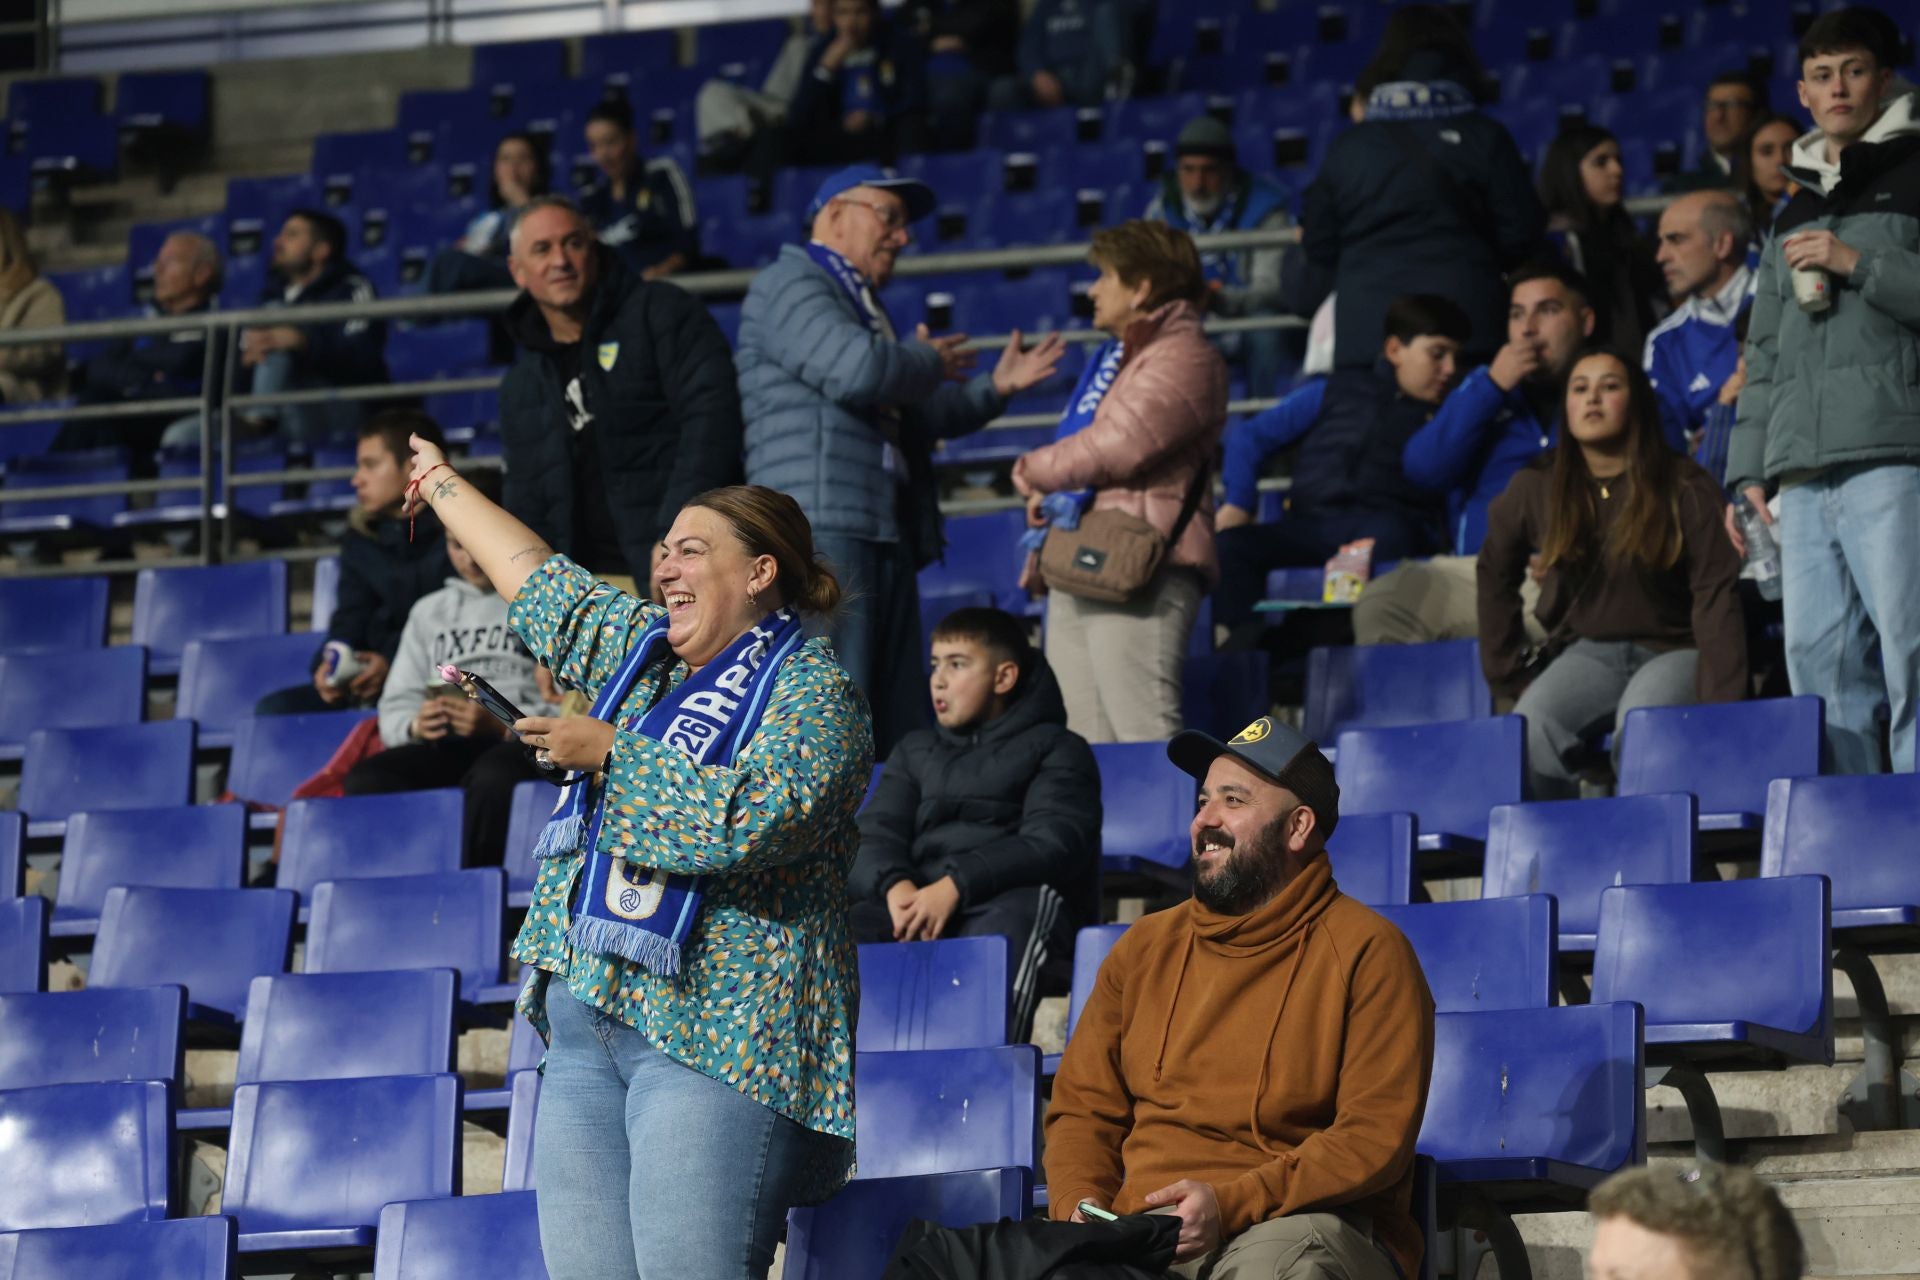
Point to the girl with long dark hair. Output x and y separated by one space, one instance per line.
1762 166
1638 583
1583 186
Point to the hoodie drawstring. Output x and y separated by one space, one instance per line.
1266 1059
1166 1029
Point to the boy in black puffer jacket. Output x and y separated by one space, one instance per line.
989 823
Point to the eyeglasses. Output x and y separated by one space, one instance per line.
891 218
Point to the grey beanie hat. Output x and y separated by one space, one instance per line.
1205 136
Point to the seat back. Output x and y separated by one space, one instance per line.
523 1112
852 1236
84 1037
1090 947
460 1237
1372 857
274 754
1575 849
1860 831
1146 803
1561 1084
130 766
941 1110
207 602
213 942
23 944
178 1248
1752 951
368 837
221 680
83 689
1448 775
13 834
41 615
313 1154
340 1026
1724 753
949 994
80 1155
184 847
448 920
1495 953
533 803
1383 685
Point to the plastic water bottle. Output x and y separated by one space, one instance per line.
1763 553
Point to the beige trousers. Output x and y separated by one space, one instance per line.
1119 664
1437 599
1303 1246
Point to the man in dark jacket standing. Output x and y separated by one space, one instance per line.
989 823
622 404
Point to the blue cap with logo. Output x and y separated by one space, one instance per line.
917 195
1274 749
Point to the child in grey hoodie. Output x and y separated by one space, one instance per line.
436 737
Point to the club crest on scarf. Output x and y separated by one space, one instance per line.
645 914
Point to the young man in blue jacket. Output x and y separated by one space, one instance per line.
1499 419
1347 480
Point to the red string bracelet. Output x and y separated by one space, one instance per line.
413 494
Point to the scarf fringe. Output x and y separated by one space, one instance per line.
560 837
654 951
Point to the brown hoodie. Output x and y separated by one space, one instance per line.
1281 1056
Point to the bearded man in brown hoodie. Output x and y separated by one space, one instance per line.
1256 1059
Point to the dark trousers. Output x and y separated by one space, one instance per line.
1034 921
487 770
876 634
1301 539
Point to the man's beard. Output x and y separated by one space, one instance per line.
1250 874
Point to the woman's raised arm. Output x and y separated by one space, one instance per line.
507 551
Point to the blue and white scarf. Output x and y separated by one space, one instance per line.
644 914
1419 100
867 303
1063 510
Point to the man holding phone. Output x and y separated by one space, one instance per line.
1255 1060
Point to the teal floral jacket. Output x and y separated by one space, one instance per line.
769 983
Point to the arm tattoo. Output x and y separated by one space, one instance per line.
445 489
538 549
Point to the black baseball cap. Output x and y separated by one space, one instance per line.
1277 751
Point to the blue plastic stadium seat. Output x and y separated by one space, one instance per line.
1146 811
1090 947
525 1052
178 1249
1725 754
356 837
222 680
1532 1108
624 53
1219 689
184 847
23 944
1372 857
1496 953
13 834
523 1113
451 920
313 1162
1044 216
419 353
90 1036
1382 685
949 994
91 688
74 147
274 754
133 766
213 942
35 517
84 1155
1860 832
179 507
982 552
943 1110
341 1026
533 803
53 98
58 614
755 43
1576 849
1447 775
211 602
1729 972
460 1236
162 99
519 62
852 1236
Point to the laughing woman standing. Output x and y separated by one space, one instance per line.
687 950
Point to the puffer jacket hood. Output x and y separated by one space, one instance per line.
1808 164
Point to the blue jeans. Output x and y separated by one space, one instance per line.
1851 593
648 1169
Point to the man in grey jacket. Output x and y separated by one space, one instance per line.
843 415
1831 408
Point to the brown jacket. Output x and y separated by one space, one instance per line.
1159 424
37 372
1281 1056
1694 605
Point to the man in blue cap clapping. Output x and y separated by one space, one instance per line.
843 414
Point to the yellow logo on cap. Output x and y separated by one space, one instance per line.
1254 732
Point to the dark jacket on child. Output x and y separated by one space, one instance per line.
1013 803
